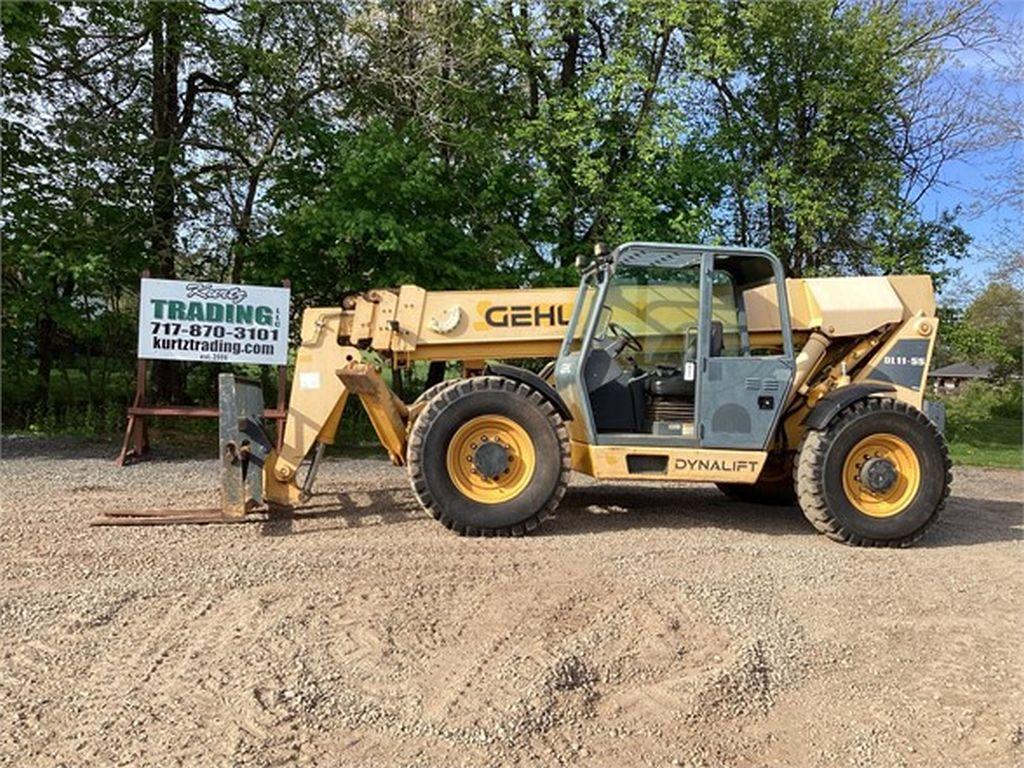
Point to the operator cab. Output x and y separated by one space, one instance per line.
659 340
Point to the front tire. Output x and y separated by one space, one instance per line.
489 456
433 391
877 475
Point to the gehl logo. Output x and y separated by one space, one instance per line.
522 315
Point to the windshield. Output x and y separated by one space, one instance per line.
658 305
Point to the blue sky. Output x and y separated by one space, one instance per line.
964 181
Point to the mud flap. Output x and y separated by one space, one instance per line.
935 410
244 445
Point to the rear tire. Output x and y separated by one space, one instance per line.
830 465
533 465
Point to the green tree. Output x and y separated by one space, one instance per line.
831 126
602 126
543 129
138 135
73 204
996 319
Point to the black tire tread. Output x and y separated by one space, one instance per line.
448 394
809 466
431 392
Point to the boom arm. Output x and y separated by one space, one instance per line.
413 324
403 326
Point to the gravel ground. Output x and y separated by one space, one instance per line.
643 625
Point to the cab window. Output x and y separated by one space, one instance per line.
733 278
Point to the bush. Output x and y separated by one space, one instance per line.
979 401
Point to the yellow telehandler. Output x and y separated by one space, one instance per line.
669 362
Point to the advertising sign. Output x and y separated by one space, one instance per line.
213 322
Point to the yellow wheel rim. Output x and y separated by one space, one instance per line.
897 495
491 444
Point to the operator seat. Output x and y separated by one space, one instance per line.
673 383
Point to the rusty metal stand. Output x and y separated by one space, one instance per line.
244 448
135 445
136 434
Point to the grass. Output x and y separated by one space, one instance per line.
993 441
983 425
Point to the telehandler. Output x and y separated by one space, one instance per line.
670 362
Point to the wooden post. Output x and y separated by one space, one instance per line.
135 438
141 431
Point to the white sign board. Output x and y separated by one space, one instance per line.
213 322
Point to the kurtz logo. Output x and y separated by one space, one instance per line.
234 294
714 465
523 316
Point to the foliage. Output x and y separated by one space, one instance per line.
374 209
990 330
816 107
998 313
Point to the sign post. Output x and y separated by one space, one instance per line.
206 322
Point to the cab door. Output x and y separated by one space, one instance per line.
743 384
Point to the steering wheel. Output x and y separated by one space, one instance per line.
629 341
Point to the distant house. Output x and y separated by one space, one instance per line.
951 377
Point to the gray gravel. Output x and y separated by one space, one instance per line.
643 625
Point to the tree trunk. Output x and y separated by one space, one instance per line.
740 191
243 228
567 78
46 328
168 377
166 61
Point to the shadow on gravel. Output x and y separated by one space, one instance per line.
161 451
964 522
387 506
56 448
596 508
